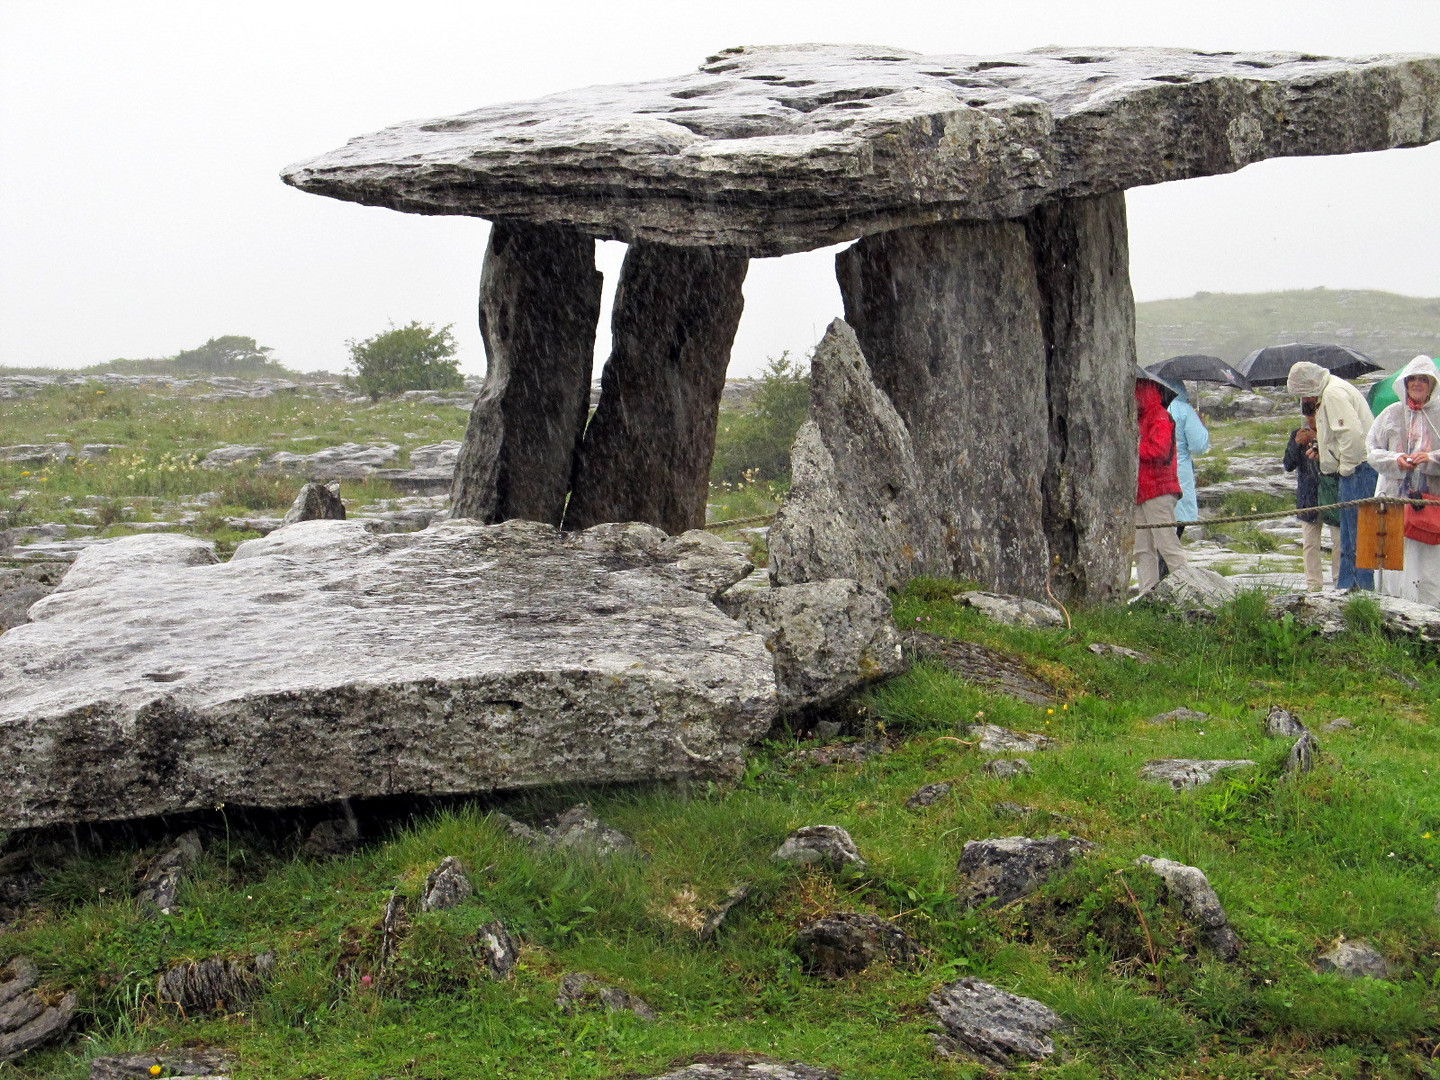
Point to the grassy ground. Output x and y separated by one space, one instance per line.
1349 850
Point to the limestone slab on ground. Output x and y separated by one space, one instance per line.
775 149
324 662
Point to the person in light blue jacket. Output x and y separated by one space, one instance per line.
1191 439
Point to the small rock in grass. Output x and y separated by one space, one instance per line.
746 1067
1100 648
331 839
1014 809
929 795
733 899
821 845
1182 713
316 502
826 729
498 949
841 753
214 985
28 1021
1003 869
1181 773
161 883
1340 723
579 992
447 886
994 1026
1282 723
1004 767
1011 610
1301 758
1354 960
1199 902
210 1064
578 829
848 942
999 740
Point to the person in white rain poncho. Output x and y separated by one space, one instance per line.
1404 448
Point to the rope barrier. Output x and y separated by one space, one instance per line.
739 521
1274 514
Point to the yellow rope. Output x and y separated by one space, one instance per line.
1377 499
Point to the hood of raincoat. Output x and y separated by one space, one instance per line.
1423 366
1147 395
1307 379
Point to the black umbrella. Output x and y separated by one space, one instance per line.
1198 368
1271 367
1169 389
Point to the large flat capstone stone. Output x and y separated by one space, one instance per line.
324 661
772 149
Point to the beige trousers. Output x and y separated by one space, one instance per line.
1314 562
1151 543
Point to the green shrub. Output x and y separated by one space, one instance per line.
754 444
411 357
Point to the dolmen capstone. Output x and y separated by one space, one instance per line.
324 661
988 291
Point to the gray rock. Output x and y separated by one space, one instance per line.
348 461
1100 648
580 992
746 1067
717 916
331 838
993 1025
1192 716
97 451
775 149
827 638
1301 758
1197 898
161 883
222 457
646 452
853 753
578 830
27 1020
1014 809
39 455
1192 588
22 586
989 668
1011 610
999 740
323 662
856 507
1282 723
1354 960
441 455
446 886
929 795
174 1065
847 942
1182 773
828 846
316 502
1340 723
1325 613
214 985
525 429
1007 767
1003 869
498 949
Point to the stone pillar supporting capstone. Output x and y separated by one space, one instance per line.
647 450
539 307
982 334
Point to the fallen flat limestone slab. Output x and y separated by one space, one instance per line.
774 149
325 662
1325 613
1181 773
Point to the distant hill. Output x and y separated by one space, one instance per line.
1387 327
233 355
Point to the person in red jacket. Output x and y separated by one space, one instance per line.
1157 489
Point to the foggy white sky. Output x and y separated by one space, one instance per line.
141 213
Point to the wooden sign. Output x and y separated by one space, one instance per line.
1380 542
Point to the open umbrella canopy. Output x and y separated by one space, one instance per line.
1271 366
1385 392
1169 389
1199 368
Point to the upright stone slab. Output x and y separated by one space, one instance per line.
539 306
949 318
1087 315
647 451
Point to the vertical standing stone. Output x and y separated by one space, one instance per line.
647 451
1082 264
949 318
539 306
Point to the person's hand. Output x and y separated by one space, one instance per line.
1312 453
1408 462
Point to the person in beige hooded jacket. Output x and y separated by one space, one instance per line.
1342 422
1404 448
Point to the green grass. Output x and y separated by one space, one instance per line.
1349 849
